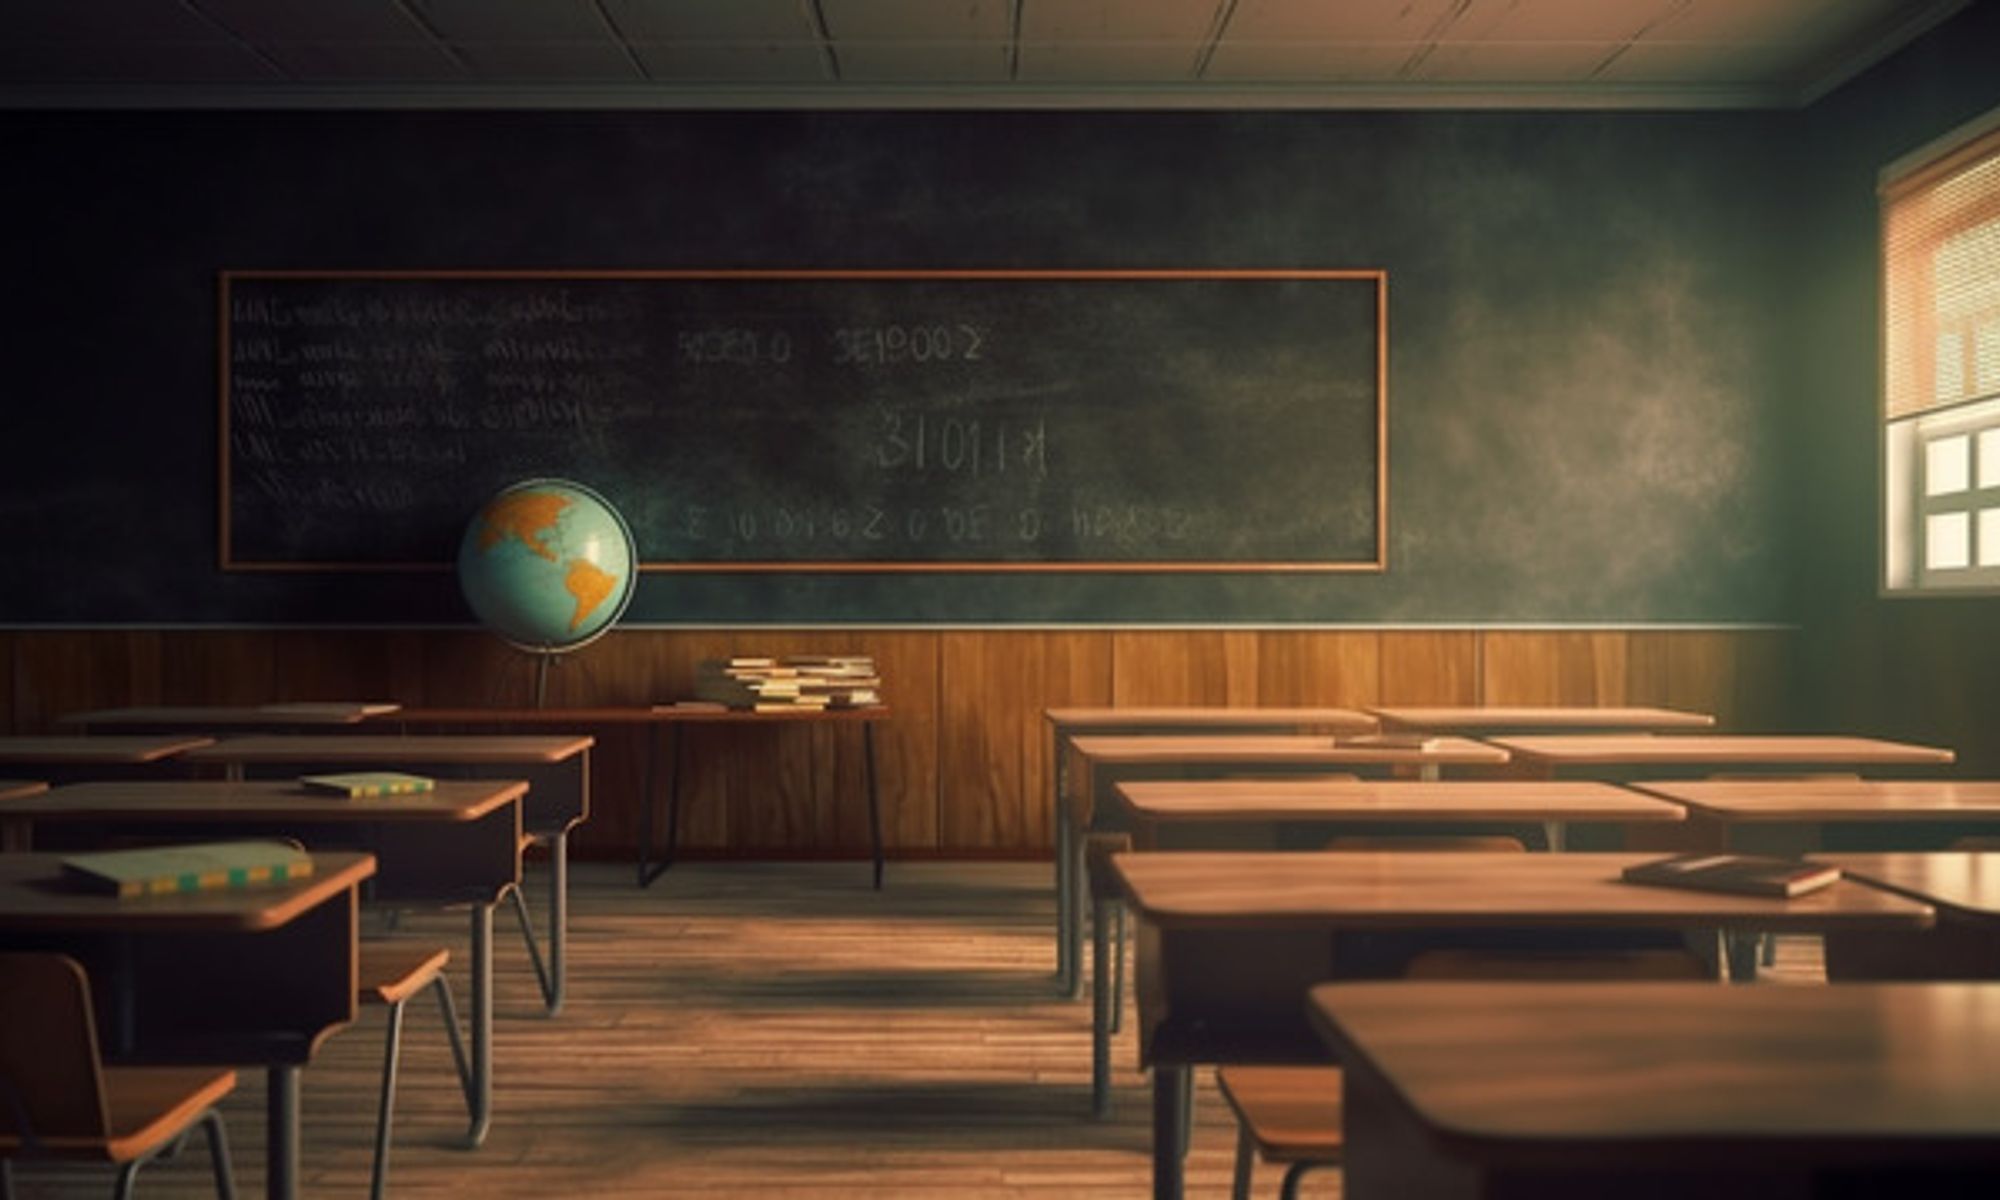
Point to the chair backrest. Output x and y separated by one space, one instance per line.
51 1081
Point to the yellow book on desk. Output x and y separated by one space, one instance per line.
198 867
355 784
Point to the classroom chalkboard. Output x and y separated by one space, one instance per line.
1153 420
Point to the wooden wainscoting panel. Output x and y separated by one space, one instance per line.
1735 674
906 744
471 668
1429 666
66 671
348 664
1315 667
1184 666
993 751
1587 667
219 666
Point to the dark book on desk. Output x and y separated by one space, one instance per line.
197 867
1747 874
356 784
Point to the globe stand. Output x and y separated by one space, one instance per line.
539 660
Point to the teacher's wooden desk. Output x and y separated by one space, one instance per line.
1066 723
1229 943
257 976
1475 720
459 843
1782 815
674 717
557 768
1507 1091
1099 759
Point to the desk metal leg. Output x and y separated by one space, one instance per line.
1170 1084
480 1101
1553 830
1073 932
281 1136
1066 977
874 802
648 870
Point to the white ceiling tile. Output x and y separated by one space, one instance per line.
733 62
1507 62
1648 62
1342 20
381 62
713 20
1073 21
1092 62
921 62
1304 62
1579 20
937 20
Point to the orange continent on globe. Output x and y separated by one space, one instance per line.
590 585
530 516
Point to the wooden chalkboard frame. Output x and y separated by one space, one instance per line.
1377 563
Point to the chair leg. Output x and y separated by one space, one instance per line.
1117 967
1289 1189
449 1012
127 1172
1246 1161
1187 1110
218 1155
1100 1008
385 1110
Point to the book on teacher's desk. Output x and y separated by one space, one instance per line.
197 867
355 784
1748 874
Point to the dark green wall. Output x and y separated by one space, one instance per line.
1925 667
1586 354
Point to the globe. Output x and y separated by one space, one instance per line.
547 564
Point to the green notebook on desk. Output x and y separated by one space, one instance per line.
355 784
197 867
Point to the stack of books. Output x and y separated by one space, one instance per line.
799 681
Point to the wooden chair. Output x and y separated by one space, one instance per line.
1291 1114
390 974
59 1100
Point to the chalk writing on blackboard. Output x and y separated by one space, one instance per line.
815 420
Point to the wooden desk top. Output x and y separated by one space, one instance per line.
1522 718
1965 882
1700 749
1390 799
1637 1074
20 789
215 800
1192 717
638 714
1251 750
219 716
383 749
1833 799
1322 889
34 897
81 750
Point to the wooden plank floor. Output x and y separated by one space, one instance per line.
751 1029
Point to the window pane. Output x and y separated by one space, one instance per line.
1986 349
1947 541
1989 458
1989 537
1947 465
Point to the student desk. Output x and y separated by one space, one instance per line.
1066 723
1209 756
20 789
1507 1091
1780 815
457 844
674 717
1550 753
557 768
76 757
216 718
1229 943
194 978
1964 888
1499 718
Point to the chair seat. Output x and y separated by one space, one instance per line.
1292 1114
145 1106
390 972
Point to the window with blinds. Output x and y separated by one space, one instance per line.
1941 364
